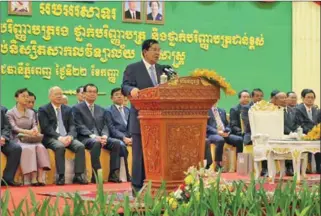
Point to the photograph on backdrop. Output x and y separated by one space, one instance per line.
155 11
21 8
132 11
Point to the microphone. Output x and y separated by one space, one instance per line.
169 70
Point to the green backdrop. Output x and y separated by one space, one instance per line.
267 66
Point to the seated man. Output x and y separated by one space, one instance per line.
235 121
57 125
256 95
290 122
292 99
11 150
218 132
307 117
93 132
117 119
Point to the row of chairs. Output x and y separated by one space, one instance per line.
50 176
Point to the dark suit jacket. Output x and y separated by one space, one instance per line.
5 126
303 119
211 128
246 122
129 16
159 17
4 109
85 122
319 117
48 122
137 76
116 124
235 120
290 121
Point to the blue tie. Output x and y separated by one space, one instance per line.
153 75
61 127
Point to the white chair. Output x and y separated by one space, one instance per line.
267 122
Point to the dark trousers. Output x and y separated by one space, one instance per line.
113 145
13 153
138 171
208 153
234 140
318 162
59 148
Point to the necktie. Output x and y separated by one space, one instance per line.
91 108
219 123
153 75
122 113
134 13
61 127
310 115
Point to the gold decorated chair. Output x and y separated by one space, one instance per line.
69 157
267 122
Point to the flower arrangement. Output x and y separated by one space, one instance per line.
212 77
195 181
314 134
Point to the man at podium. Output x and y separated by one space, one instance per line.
140 75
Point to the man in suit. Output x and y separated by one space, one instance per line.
218 132
80 94
117 118
257 95
235 121
93 132
292 99
57 125
290 122
137 76
11 150
307 117
132 12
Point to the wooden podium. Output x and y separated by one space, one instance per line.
173 118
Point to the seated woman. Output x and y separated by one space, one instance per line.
34 156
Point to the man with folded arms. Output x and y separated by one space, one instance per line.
57 125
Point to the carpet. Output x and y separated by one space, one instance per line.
115 196
120 194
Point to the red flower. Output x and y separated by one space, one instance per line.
187 195
318 2
182 187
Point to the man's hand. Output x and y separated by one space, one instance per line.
134 92
64 140
220 133
2 141
127 141
104 140
225 134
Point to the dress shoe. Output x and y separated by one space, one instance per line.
60 181
10 183
78 179
289 172
264 173
114 177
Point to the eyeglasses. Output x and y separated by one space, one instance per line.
155 50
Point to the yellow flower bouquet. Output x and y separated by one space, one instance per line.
215 79
314 134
